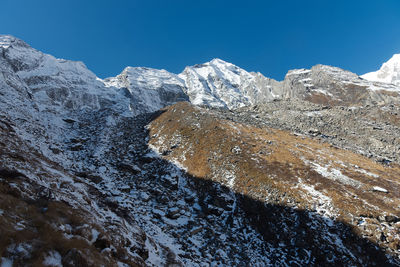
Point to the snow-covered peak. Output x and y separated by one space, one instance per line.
136 77
149 89
8 40
221 64
222 69
326 84
29 61
221 84
388 73
57 85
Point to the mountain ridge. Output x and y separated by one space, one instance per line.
215 83
245 170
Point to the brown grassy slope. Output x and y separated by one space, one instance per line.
281 168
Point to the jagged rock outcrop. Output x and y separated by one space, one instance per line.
58 85
149 89
334 86
224 85
221 84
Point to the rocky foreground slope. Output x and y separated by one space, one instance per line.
254 172
295 191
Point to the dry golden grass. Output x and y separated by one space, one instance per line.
272 160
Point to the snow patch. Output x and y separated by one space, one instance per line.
323 204
5 262
52 259
333 174
379 189
298 72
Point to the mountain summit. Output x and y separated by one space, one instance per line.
388 73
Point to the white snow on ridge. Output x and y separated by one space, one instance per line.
298 71
149 89
220 84
6 41
136 77
388 73
52 259
59 84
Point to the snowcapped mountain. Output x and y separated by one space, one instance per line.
331 85
149 89
224 85
388 73
58 84
221 84
92 173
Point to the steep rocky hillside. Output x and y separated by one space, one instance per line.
50 216
334 86
372 131
311 196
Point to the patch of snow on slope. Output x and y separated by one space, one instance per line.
333 174
366 172
298 71
379 189
5 262
323 204
52 259
230 178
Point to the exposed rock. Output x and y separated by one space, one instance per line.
196 230
144 196
173 213
392 219
74 258
379 189
149 89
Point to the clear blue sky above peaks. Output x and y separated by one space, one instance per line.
266 36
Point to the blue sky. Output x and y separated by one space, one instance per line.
266 36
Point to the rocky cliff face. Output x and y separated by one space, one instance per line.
334 86
149 89
300 171
57 84
221 84
69 85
